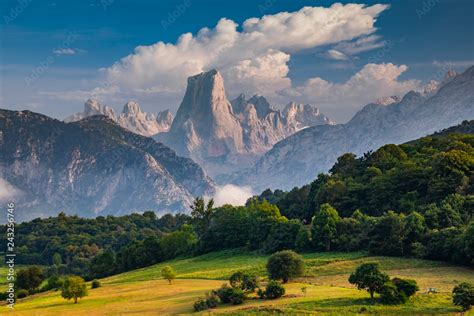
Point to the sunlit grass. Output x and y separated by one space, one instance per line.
328 292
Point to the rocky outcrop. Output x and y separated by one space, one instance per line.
92 167
224 135
131 118
298 116
298 159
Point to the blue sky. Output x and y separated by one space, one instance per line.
52 52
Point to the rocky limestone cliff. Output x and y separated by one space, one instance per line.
224 135
131 118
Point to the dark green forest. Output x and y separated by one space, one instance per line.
414 200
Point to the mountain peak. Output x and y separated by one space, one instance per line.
205 118
92 107
261 105
388 100
132 108
451 73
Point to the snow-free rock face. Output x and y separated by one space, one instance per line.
92 107
92 167
205 123
299 158
223 135
298 116
131 118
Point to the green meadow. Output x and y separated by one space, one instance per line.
328 292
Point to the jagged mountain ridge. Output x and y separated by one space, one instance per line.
131 118
298 159
92 167
224 135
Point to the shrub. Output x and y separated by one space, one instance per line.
274 290
3 296
95 284
21 293
408 286
224 293
463 295
53 283
261 293
368 277
284 265
212 300
246 282
237 297
390 295
200 305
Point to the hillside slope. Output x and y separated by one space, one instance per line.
327 289
92 167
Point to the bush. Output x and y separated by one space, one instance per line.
284 265
463 295
212 300
95 284
390 295
274 290
408 286
237 297
21 293
224 293
200 305
3 296
246 282
53 283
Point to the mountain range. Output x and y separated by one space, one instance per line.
92 167
98 163
224 136
131 118
298 159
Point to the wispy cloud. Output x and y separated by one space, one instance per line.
68 51
335 55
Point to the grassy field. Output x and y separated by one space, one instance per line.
328 292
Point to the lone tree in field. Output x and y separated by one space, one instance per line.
284 265
73 288
368 277
463 295
168 273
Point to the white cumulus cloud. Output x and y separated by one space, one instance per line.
371 82
256 57
232 194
